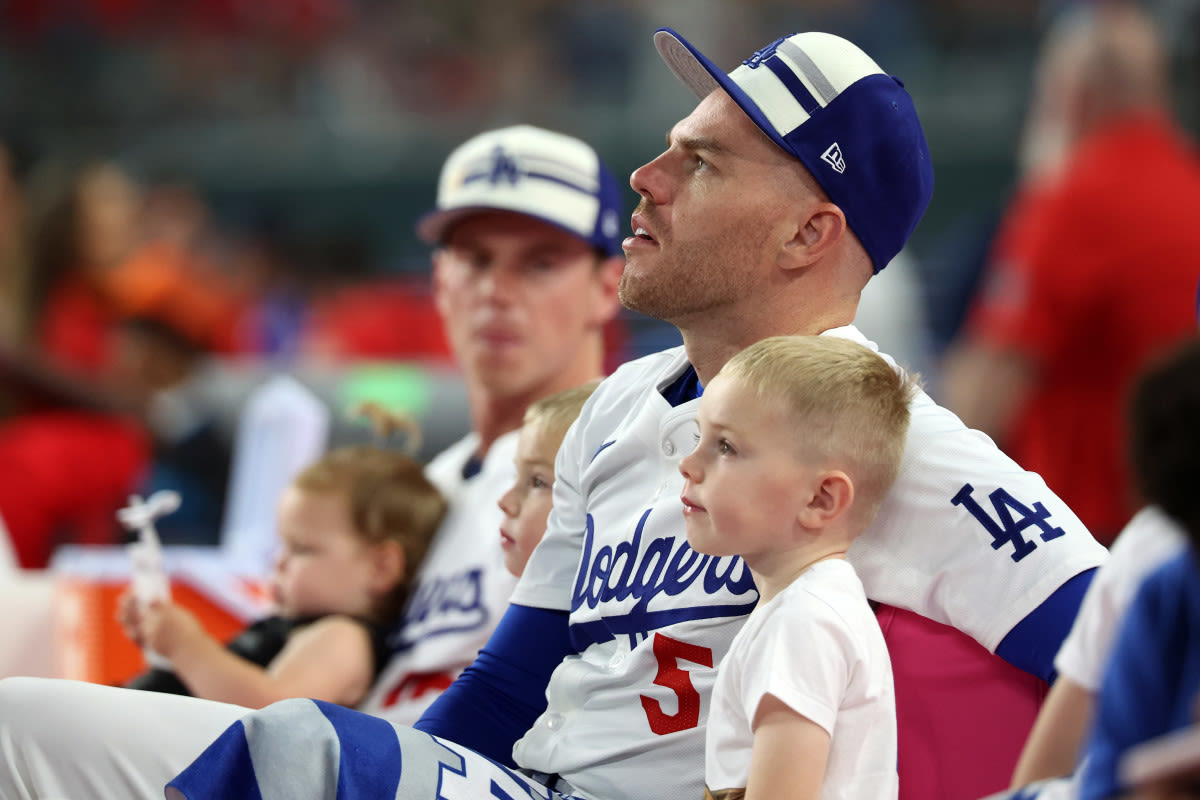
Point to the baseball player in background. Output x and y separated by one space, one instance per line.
527 228
796 178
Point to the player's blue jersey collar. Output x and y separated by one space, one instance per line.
472 467
684 388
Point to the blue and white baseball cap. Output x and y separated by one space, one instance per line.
853 126
545 175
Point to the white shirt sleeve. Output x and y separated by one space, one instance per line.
1148 541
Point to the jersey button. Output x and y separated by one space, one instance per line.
554 721
668 448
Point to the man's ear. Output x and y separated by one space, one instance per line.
437 280
831 496
608 280
819 229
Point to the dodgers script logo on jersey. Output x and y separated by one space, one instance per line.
440 605
651 577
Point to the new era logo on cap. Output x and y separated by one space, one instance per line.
833 157
826 102
549 176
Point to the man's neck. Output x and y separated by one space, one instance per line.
712 339
494 415
491 420
708 350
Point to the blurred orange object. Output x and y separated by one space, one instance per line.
172 285
89 644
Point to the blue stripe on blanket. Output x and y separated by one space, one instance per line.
369 765
232 763
306 749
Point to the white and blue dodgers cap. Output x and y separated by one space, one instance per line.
853 126
545 175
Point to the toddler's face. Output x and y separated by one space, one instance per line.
526 505
323 566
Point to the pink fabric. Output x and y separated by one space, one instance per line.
963 714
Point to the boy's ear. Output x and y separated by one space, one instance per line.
832 493
390 566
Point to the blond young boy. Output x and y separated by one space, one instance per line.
800 438
526 504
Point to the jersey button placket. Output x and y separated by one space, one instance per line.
677 433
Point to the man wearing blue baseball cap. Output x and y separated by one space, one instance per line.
797 177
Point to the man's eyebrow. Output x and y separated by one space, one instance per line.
704 143
534 462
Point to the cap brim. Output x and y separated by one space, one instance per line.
701 75
433 227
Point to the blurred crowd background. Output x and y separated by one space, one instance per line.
203 192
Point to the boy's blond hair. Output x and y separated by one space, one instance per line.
554 414
849 406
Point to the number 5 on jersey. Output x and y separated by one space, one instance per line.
669 652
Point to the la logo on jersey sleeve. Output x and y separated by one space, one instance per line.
1012 519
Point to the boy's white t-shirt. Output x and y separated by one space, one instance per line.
817 647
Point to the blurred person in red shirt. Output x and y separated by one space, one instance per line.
85 226
105 247
69 467
1095 266
126 313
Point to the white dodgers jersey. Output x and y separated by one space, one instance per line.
966 537
462 588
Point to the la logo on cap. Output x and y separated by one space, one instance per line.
504 167
833 157
548 176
